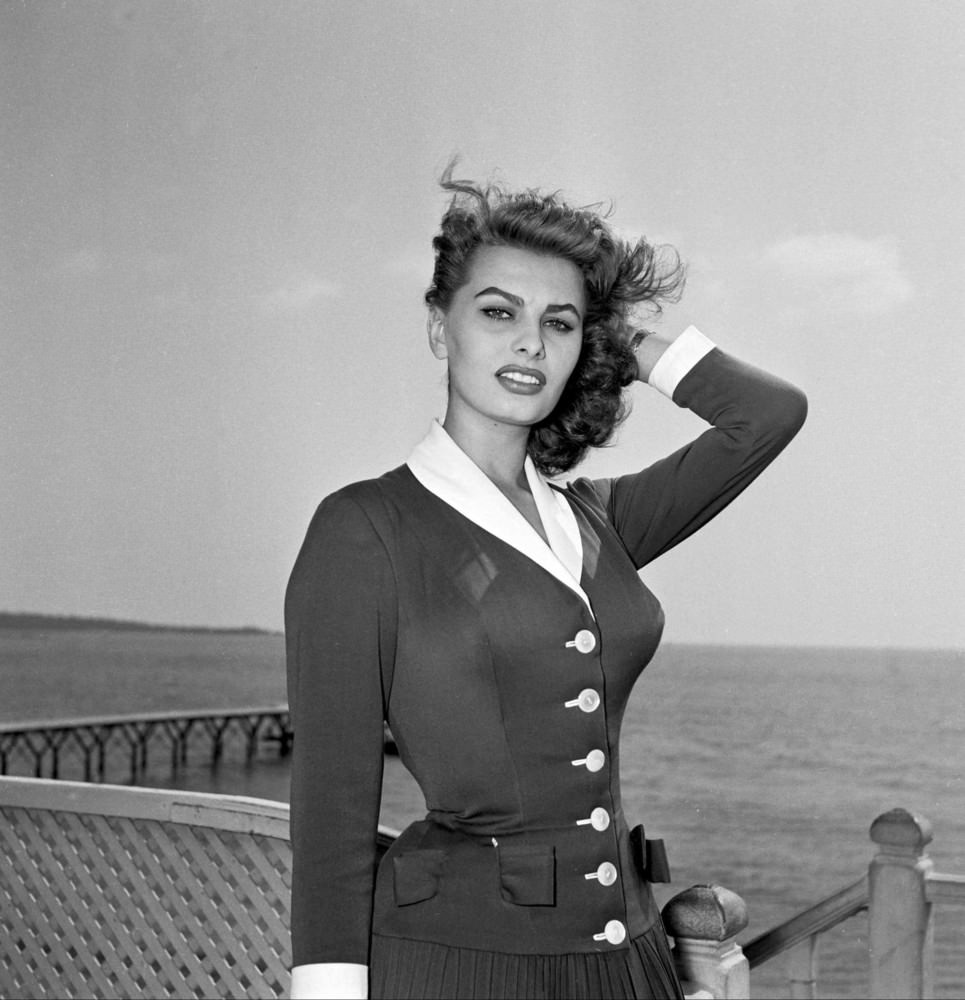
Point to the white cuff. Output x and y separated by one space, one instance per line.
330 981
677 360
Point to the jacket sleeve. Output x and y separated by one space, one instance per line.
753 416
340 616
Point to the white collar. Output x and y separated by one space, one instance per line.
446 470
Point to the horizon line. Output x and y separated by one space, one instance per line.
36 619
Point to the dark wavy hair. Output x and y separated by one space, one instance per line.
619 278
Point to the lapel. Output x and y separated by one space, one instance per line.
444 469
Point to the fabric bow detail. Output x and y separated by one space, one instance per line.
650 856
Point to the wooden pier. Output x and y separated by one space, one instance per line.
119 748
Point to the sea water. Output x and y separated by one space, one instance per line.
762 768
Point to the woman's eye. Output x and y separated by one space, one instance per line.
560 324
495 312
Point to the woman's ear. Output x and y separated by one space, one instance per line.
436 328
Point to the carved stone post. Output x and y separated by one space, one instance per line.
900 921
704 920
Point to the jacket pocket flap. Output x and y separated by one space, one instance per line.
528 874
416 875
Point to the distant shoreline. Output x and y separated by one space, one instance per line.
76 623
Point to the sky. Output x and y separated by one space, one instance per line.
217 225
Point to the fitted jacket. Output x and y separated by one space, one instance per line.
505 687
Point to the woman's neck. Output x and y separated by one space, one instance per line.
498 449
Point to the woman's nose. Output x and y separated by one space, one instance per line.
529 340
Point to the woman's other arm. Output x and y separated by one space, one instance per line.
339 624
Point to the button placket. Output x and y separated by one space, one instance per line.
606 874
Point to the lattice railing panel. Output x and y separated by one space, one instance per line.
94 905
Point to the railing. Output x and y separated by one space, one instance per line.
113 748
799 936
112 891
899 893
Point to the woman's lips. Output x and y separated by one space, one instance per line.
524 381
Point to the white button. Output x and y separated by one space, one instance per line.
584 640
614 933
606 873
593 761
599 819
588 701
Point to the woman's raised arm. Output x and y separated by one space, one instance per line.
753 416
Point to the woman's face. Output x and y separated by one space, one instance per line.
512 336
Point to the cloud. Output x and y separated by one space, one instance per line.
298 293
842 271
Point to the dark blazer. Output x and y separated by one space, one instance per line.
400 607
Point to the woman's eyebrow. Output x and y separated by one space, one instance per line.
564 307
493 290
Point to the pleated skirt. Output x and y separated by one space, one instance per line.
402 969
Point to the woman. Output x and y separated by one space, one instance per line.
498 623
